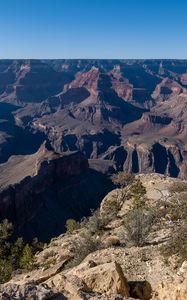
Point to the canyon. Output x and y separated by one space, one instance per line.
130 112
67 125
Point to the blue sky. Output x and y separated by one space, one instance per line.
93 29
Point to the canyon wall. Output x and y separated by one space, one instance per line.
55 188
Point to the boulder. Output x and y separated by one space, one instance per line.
26 292
106 278
71 286
183 269
172 289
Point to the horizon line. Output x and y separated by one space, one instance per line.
78 58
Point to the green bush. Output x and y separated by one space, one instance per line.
137 224
83 246
178 187
177 244
111 208
26 259
71 225
176 211
138 191
6 270
96 223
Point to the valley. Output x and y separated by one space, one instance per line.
131 112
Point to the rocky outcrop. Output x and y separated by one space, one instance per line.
115 271
107 278
27 291
105 282
160 157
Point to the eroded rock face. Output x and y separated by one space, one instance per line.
44 189
131 112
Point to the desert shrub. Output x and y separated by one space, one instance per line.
96 223
174 209
178 187
122 179
71 225
177 244
112 241
177 208
50 262
49 253
83 246
37 246
137 224
110 208
139 219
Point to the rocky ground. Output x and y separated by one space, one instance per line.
116 269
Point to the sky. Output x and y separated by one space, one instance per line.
93 29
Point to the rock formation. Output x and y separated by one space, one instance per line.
44 189
112 272
130 111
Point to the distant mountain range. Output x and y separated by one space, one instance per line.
126 115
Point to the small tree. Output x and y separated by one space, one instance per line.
16 252
122 180
138 192
71 225
6 270
26 260
6 229
139 219
37 245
